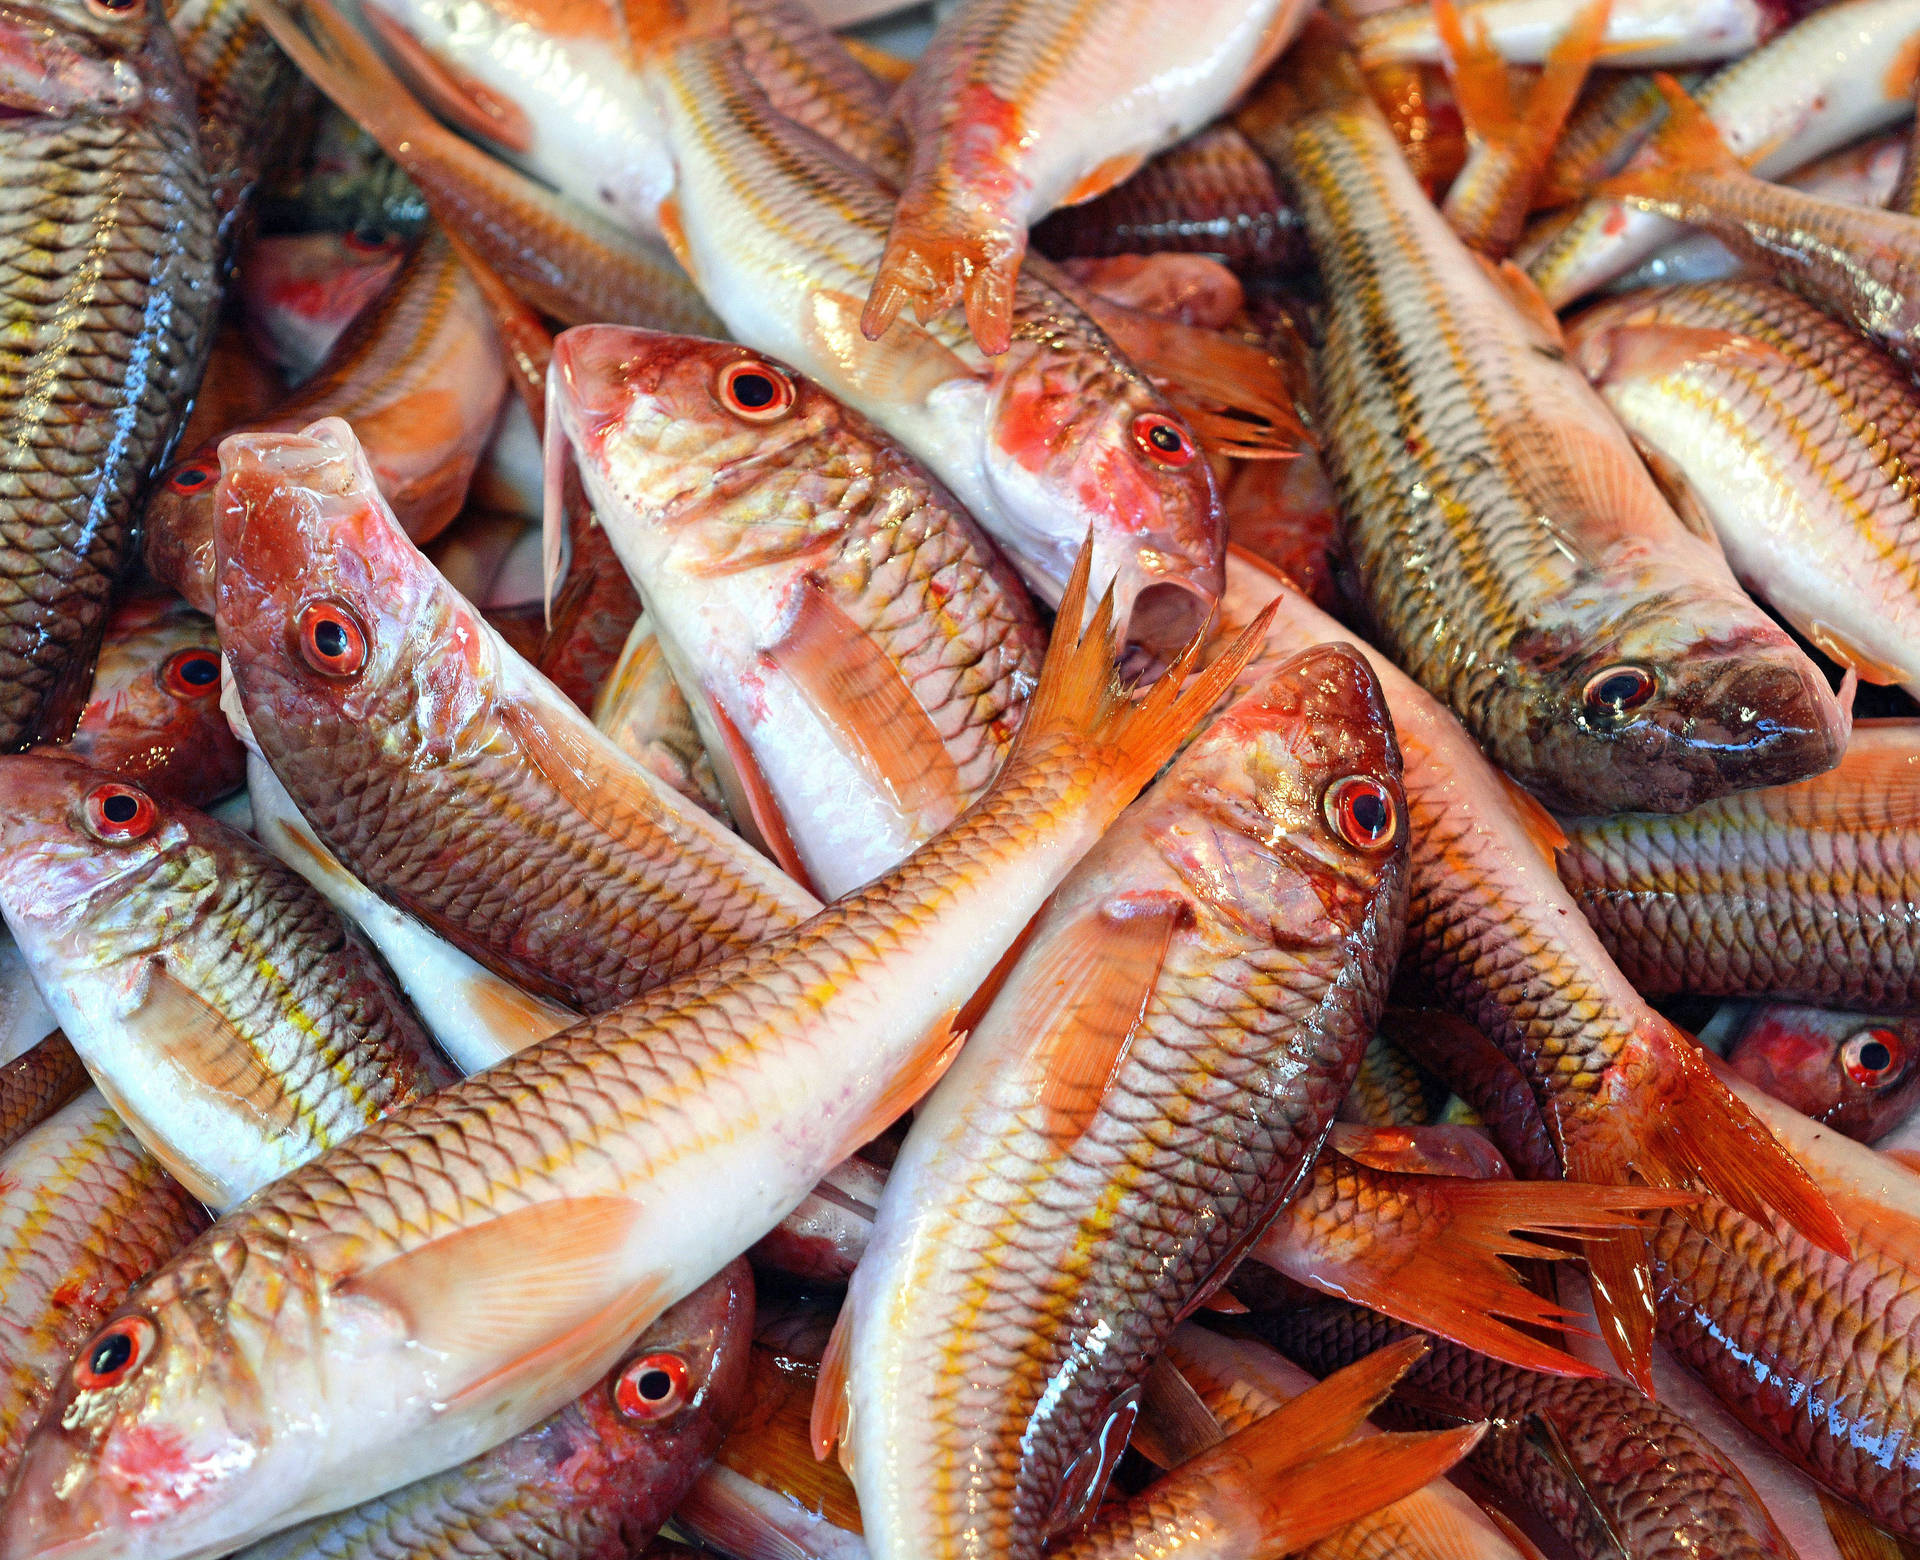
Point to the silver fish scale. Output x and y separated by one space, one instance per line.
106 298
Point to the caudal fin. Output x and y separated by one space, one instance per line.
1428 1250
1689 142
938 255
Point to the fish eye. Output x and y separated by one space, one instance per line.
113 8
1361 811
1162 440
332 639
652 1388
1614 690
1871 1057
191 674
117 813
756 391
113 1353
190 478
368 240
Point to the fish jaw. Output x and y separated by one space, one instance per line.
47 69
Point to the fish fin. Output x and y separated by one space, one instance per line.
555 489
1540 825
1857 1537
1092 983
1233 395
830 1423
565 1357
519 1287
450 91
1687 142
1679 493
1175 1424
732 1527
1222 1303
887 68
1548 1442
1441 1149
936 257
1079 703
1523 293
673 229
1315 1499
989 989
773 1450
1113 171
1654 351
1906 1156
523 334
615 794
863 695
1444 1271
937 1049
206 1046
1835 644
751 800
1482 84
906 364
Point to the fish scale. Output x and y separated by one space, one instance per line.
106 272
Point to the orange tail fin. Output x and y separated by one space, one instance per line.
1689 142
937 255
1435 1259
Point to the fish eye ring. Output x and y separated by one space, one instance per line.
331 639
757 391
1615 690
1361 811
191 674
117 813
1871 1057
113 1353
652 1388
1162 440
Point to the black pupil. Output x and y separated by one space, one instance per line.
655 1386
1620 688
119 808
369 237
112 1352
330 639
1370 813
753 391
193 476
1161 437
1875 1057
200 670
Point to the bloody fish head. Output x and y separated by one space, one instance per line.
1074 450
179 526
65 58
1858 1073
338 631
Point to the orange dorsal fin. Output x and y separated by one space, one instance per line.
1441 1149
751 800
860 691
1856 1537
1540 825
1439 1265
934 1055
1088 989
453 94
1838 645
1523 293
1319 1498
830 1424
1688 142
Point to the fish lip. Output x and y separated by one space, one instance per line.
41 76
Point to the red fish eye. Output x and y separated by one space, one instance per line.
191 674
1360 810
332 639
1872 1057
113 7
756 391
1616 689
190 479
367 241
113 1353
652 1387
117 813
1162 439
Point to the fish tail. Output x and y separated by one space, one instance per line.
937 257
1687 143
1080 706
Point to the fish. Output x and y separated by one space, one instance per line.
1789 438
1614 116
1511 551
1494 936
97 144
1839 73
1211 193
227 1012
1018 106
642 712
593 1482
1859 263
1216 964
36 1083
1058 435
1448 1047
1388 1089
420 376
1639 33
594 881
86 1212
623 1161
241 83
856 655
299 292
1858 1073
153 717
1608 1471
1801 892
1195 290
24 1019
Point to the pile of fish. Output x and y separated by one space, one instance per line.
1149 791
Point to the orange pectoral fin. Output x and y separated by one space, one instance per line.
751 800
830 1424
917 1076
1114 170
1482 86
862 694
1541 826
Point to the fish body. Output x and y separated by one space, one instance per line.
241 84
1057 436
98 158
1019 106
235 1021
594 1481
87 1213
36 1083
594 881
1512 552
1803 892
852 646
154 714
1795 440
1639 33
1216 963
1858 1073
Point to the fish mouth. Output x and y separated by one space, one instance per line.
1167 615
43 77
1781 723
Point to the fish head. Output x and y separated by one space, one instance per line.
1682 695
1079 446
179 526
302 290
155 1442
63 59
1858 1073
337 629
154 714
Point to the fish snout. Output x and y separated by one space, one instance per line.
1773 722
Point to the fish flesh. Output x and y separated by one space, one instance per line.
853 650
102 177
227 1012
